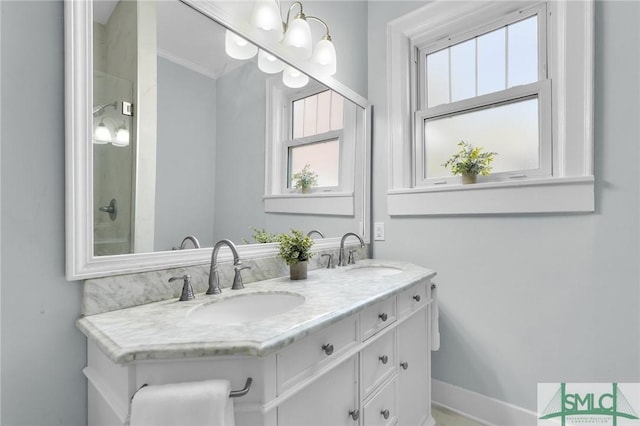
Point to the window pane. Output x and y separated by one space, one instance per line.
491 62
310 115
324 111
463 70
298 118
324 158
511 130
337 111
438 78
523 52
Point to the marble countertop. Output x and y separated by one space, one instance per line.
161 330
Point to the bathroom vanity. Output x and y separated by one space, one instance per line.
350 346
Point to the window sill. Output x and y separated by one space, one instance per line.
325 203
545 195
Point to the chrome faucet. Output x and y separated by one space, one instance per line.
183 244
342 261
214 282
315 231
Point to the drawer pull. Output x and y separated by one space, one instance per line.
383 359
327 348
355 414
383 317
385 414
416 297
404 365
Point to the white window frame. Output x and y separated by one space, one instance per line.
335 200
568 184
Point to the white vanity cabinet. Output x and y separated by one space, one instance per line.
369 368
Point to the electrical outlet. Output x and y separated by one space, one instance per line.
378 231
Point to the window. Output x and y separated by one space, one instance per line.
317 122
515 80
311 126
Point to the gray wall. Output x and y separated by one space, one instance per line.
534 298
186 155
42 351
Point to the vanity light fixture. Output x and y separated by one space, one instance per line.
295 36
102 134
122 136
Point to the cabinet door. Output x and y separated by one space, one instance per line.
414 403
327 401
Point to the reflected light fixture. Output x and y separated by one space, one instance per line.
102 134
122 136
294 35
237 47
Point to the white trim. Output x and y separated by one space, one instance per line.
486 410
533 196
570 31
80 262
332 203
190 65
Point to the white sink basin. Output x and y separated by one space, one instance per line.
245 308
372 271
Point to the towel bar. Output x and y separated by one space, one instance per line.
232 394
243 391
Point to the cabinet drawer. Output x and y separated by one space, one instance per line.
382 405
411 300
379 362
302 359
377 317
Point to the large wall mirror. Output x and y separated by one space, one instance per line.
172 144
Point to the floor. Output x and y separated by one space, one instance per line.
444 417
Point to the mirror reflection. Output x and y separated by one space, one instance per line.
191 146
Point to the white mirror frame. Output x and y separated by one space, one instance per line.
80 261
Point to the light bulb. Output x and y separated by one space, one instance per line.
324 56
122 136
291 77
298 38
266 17
269 63
237 47
101 135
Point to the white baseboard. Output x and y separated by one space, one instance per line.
481 408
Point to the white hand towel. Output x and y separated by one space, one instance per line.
183 404
435 319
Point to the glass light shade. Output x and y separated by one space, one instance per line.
237 47
269 63
298 38
122 137
294 78
266 17
324 56
101 135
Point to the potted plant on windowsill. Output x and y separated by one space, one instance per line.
470 162
295 250
305 179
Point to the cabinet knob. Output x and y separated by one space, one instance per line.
385 414
327 348
404 365
416 297
355 414
383 316
383 359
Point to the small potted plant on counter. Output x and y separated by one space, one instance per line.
470 162
305 179
295 250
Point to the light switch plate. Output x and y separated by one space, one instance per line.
378 231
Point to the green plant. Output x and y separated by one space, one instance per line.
470 160
295 247
305 178
262 236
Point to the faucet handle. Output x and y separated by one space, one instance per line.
352 258
187 289
237 278
330 264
